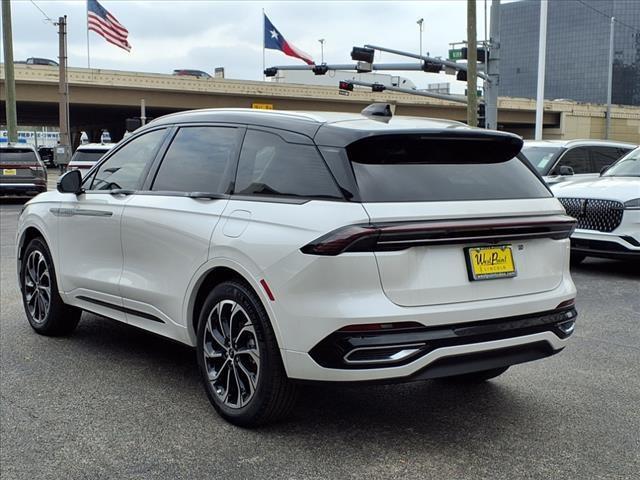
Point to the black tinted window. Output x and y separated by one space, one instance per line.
411 169
125 168
576 158
18 155
200 159
605 156
270 166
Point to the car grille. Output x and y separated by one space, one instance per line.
594 214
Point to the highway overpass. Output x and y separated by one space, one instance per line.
104 98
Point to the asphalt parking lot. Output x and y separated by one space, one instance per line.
112 402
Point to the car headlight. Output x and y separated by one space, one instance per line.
632 204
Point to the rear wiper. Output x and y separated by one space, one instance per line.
207 195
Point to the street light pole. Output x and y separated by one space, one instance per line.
321 50
472 65
542 53
607 124
420 23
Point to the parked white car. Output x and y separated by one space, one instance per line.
291 246
573 160
608 211
87 155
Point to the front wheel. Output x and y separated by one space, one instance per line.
46 312
239 359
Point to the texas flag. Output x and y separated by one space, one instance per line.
275 41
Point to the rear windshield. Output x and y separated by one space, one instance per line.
541 157
87 155
411 168
18 155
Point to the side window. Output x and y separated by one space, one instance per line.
576 158
270 166
124 169
200 159
603 156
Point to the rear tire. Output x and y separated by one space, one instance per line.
577 258
239 358
45 310
477 377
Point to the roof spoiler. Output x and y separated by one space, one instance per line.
378 111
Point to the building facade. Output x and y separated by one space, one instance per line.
577 59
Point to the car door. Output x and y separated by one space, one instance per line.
167 228
90 249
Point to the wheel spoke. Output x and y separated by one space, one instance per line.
213 375
215 335
252 379
252 352
238 388
209 352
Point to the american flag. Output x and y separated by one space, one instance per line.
103 23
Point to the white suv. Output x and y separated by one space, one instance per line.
86 156
308 246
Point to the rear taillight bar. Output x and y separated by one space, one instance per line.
400 236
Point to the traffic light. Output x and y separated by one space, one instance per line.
270 72
377 87
431 67
461 75
480 54
361 54
320 69
481 115
346 86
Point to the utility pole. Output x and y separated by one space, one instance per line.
493 68
63 91
472 65
9 77
607 124
542 54
420 23
321 40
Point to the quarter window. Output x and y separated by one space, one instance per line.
200 159
605 156
126 167
270 166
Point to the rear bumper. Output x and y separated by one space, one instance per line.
441 351
370 349
441 362
23 188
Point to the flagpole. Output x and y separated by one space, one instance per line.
88 56
263 34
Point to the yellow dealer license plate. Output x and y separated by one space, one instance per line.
8 171
485 263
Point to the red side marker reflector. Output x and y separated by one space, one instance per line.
267 290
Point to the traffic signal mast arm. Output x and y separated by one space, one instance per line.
421 93
446 63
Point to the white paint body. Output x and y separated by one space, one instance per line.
150 253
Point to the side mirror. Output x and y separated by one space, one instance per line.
565 170
70 182
604 169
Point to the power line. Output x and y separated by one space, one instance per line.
607 16
46 17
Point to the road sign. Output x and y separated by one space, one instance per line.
456 54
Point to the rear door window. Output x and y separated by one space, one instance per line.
200 159
604 156
271 166
410 168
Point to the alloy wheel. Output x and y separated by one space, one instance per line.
37 286
231 354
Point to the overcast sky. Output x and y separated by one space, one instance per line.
169 34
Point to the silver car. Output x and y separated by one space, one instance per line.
560 160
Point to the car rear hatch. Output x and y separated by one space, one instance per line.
18 165
458 218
